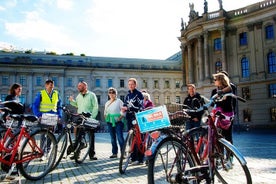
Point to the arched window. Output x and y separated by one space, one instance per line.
245 67
271 62
218 66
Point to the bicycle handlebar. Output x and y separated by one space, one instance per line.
213 100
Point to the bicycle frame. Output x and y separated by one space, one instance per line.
141 143
13 151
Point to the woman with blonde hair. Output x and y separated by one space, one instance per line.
222 84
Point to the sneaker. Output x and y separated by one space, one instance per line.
135 162
43 158
93 158
113 156
228 165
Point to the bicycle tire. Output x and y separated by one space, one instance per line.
168 161
62 142
38 167
230 173
83 144
126 152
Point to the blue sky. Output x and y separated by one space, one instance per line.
108 28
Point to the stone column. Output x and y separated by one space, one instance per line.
223 52
190 66
200 60
206 61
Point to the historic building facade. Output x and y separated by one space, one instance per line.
242 42
161 78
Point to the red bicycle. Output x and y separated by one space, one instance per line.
134 142
23 148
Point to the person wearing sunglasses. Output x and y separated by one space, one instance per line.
113 117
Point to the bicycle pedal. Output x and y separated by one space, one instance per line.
196 169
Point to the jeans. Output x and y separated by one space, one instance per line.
192 124
116 133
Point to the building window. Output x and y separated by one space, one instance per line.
168 100
22 99
122 97
246 115
81 79
122 83
245 67
272 90
243 39
109 83
177 99
271 62
55 79
273 113
218 66
177 84
22 80
5 80
167 84
245 93
99 98
3 97
269 32
38 81
156 100
98 83
156 84
69 82
145 84
217 44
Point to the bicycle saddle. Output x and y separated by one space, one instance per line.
86 114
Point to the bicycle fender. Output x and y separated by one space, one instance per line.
234 149
154 146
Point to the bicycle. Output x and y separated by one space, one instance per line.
80 148
24 150
134 142
190 157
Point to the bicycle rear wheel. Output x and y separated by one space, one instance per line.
169 163
82 145
39 155
126 152
229 168
61 147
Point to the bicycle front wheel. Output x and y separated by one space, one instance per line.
170 162
39 152
229 168
61 147
83 144
126 152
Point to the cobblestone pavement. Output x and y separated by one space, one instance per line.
259 150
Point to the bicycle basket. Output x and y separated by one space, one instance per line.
49 119
178 118
91 123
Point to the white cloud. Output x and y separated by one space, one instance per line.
35 28
65 4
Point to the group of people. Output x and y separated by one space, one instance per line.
194 100
117 113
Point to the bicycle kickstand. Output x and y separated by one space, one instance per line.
8 176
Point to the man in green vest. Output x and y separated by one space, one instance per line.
86 101
47 101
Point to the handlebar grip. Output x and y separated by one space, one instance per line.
241 99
